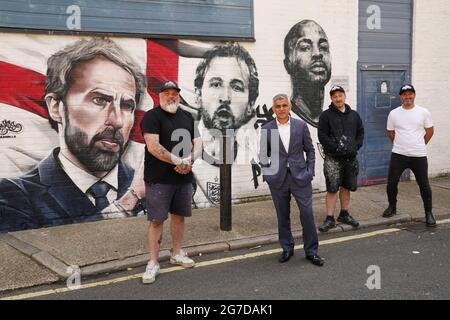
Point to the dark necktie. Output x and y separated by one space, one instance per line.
99 190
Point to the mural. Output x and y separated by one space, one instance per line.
308 62
93 115
226 88
70 112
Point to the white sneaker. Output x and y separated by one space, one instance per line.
150 273
182 259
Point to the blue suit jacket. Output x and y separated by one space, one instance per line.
274 164
47 197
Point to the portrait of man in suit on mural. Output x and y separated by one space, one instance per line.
92 90
308 62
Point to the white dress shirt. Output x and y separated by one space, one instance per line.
84 180
285 133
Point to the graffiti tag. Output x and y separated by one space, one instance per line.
7 126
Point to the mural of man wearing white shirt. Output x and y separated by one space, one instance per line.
226 87
92 90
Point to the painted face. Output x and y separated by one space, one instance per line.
281 108
310 59
224 98
408 98
99 113
338 99
169 100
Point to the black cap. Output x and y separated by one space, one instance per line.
407 87
169 85
336 88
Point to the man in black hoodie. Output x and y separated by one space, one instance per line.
341 134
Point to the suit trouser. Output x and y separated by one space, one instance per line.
419 166
303 196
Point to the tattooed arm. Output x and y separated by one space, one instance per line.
158 151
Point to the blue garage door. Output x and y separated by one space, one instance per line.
384 64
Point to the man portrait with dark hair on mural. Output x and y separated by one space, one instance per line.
92 90
226 89
308 62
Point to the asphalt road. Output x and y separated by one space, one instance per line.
413 263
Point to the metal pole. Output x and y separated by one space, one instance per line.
225 181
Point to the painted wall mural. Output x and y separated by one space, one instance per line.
308 62
70 112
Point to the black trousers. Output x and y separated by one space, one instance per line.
419 166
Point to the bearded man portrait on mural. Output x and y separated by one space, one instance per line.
92 90
226 89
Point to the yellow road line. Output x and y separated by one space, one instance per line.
443 221
197 265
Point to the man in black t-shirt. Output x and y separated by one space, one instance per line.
172 145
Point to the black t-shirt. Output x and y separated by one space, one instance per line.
158 121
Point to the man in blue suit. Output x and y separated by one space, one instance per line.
92 90
284 141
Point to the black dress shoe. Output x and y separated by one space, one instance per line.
328 224
431 222
389 212
285 256
316 260
346 218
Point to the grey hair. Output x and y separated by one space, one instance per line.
61 64
280 96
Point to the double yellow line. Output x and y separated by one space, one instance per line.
203 264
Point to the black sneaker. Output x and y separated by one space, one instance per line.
346 218
328 224
429 219
389 212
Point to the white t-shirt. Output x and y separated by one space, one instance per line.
409 127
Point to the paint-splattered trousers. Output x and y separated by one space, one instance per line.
340 172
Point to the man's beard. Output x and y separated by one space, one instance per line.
171 108
223 118
92 157
408 102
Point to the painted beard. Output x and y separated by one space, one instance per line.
223 118
171 108
92 157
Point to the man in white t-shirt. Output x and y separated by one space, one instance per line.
410 128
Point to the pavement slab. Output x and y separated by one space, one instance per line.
19 271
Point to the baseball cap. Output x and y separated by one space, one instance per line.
169 85
407 87
336 88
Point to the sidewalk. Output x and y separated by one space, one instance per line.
34 257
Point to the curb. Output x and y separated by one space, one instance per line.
42 257
60 268
251 242
399 218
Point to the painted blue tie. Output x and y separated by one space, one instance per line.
99 190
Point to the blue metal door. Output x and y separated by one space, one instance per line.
378 95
